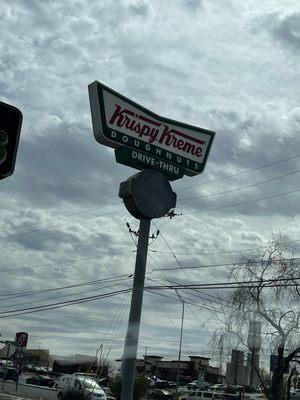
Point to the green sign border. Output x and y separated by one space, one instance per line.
114 138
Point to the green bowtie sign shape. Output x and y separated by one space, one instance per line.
3 142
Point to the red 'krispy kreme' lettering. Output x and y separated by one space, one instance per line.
156 131
169 138
122 118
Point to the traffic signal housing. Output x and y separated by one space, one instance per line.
10 128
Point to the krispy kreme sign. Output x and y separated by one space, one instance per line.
119 122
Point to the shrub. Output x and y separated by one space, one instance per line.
74 394
141 385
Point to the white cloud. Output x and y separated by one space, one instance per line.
226 66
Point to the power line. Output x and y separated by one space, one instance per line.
57 225
63 216
221 285
51 306
67 261
242 172
34 292
212 298
244 202
240 188
235 284
114 283
208 253
225 264
180 266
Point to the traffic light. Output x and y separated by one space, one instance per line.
10 127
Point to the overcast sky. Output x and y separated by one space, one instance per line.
226 65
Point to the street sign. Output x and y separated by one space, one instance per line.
21 339
10 127
118 122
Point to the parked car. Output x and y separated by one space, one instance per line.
295 394
104 381
201 394
198 385
88 385
162 384
41 380
218 386
160 394
9 373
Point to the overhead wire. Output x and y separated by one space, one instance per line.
51 306
199 293
7 237
277 282
242 172
34 292
243 202
116 322
110 284
240 188
226 264
62 216
61 262
268 283
208 253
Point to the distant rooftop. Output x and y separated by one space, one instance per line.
200 357
150 356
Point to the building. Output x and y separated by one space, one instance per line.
239 373
190 369
79 363
39 357
236 371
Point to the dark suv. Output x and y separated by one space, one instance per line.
9 373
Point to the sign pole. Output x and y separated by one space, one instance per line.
132 335
164 150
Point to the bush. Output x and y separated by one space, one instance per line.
231 390
141 385
74 394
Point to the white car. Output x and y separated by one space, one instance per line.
82 383
200 394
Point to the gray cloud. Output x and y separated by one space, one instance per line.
221 72
287 30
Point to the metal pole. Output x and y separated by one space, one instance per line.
252 368
6 363
7 354
179 353
132 335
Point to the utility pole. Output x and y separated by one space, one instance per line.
131 342
145 355
180 344
146 195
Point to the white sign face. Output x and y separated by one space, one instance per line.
119 122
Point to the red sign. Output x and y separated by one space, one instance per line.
21 339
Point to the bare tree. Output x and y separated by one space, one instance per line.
270 289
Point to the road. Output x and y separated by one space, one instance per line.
29 391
